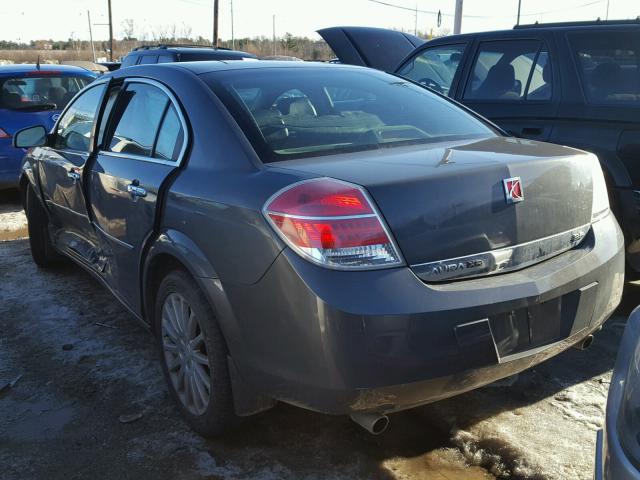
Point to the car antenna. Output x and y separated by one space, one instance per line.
38 63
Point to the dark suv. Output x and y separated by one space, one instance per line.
575 84
180 53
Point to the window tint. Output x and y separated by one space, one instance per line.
137 116
501 70
315 111
609 66
165 58
129 60
147 59
74 128
435 67
541 78
171 136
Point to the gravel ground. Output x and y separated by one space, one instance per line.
86 365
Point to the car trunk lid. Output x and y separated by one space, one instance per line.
447 201
370 47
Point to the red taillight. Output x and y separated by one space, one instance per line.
332 223
4 134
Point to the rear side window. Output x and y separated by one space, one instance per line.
144 123
74 128
170 137
165 58
435 67
137 116
609 66
503 70
148 59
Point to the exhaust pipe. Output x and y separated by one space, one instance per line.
373 423
585 343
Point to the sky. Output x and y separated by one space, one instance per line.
27 20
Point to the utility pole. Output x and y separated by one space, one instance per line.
215 23
110 34
457 20
519 5
93 50
274 33
415 26
607 15
233 40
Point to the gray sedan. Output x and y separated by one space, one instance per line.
328 236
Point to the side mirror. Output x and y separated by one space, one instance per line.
30 137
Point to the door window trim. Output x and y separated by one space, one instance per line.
544 45
181 117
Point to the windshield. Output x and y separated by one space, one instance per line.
291 113
39 92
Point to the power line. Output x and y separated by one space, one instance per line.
431 12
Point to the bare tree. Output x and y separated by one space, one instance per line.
128 29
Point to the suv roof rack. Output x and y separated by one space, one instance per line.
164 46
586 23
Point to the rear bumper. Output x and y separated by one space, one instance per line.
612 463
10 160
340 342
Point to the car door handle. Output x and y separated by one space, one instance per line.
136 190
73 175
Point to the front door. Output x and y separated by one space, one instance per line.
143 143
62 175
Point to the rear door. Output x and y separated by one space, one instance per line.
514 83
143 143
62 169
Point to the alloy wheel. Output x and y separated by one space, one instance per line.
185 354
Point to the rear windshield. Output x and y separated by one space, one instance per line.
33 93
292 113
609 66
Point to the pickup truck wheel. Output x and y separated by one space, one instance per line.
42 250
193 355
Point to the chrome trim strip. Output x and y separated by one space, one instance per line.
305 217
501 260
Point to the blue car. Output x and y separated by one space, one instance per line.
30 95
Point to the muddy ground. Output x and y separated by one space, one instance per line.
83 363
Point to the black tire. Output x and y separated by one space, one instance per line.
219 414
42 250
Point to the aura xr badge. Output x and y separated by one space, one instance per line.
513 192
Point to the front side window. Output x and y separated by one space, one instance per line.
40 91
74 128
435 67
317 111
609 66
502 70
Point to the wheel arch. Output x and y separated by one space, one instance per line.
174 250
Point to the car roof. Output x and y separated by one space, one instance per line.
200 68
27 68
